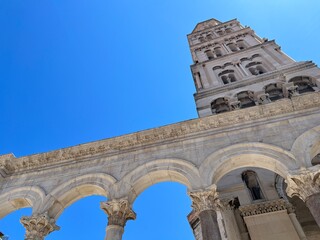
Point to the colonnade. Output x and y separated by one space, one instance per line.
205 203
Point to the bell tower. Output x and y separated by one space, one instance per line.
234 68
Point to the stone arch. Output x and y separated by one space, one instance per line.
256 154
75 189
307 146
148 174
28 196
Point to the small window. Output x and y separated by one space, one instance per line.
251 180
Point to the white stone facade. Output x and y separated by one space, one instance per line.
257 147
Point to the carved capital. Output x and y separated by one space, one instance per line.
119 211
205 200
38 226
304 184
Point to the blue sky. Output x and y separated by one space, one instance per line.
75 71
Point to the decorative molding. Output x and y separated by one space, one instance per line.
265 207
205 200
9 164
38 226
119 211
304 183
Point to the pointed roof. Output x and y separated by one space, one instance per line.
206 24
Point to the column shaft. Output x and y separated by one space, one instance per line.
313 203
297 226
209 225
114 232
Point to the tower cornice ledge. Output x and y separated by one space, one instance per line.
9 164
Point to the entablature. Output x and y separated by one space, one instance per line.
158 136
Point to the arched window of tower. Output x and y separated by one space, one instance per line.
218 51
304 84
241 44
209 54
275 91
220 105
246 99
256 68
233 47
227 76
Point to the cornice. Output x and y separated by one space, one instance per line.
157 136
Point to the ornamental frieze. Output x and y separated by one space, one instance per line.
112 146
265 207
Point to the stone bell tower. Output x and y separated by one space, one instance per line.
234 68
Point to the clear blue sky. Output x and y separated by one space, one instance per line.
75 71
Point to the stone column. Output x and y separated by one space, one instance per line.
38 226
295 222
205 203
119 211
306 185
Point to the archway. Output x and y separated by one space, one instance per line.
162 210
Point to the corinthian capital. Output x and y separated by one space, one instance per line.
38 226
119 211
304 184
205 200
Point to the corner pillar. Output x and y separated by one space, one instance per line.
38 226
205 204
118 211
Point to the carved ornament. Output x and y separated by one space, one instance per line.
205 200
9 164
265 207
119 211
304 183
38 226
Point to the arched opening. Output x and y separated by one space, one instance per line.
252 182
256 68
241 44
82 220
11 226
209 54
275 91
233 47
304 84
220 105
218 51
162 210
246 99
227 76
